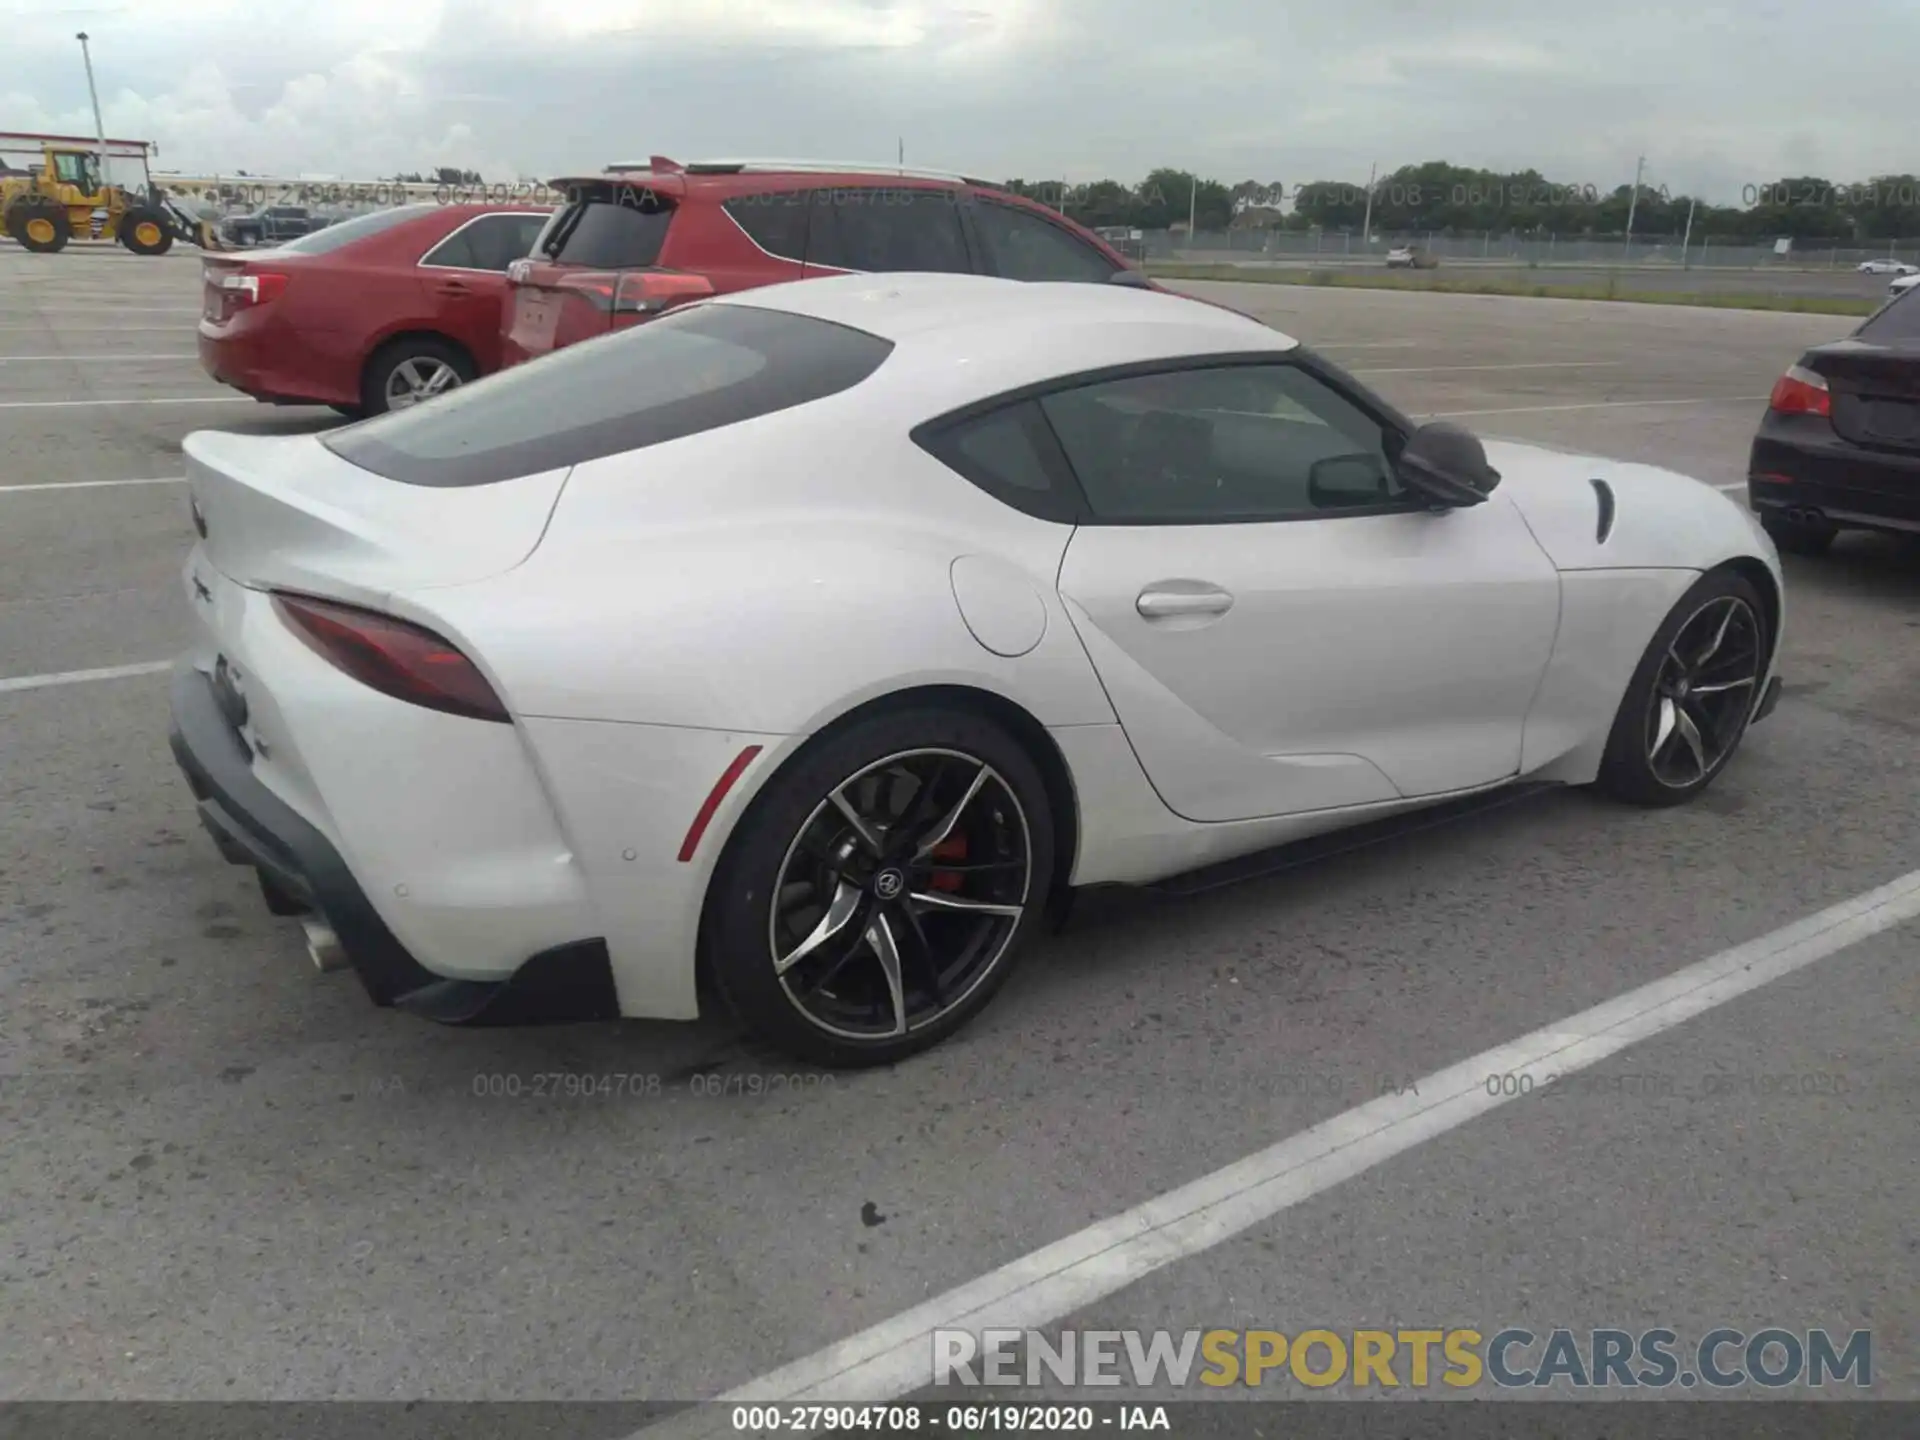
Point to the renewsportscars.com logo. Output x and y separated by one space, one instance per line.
1723 1359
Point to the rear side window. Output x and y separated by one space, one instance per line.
881 228
1898 319
1011 454
1022 246
321 242
691 370
776 221
492 242
609 227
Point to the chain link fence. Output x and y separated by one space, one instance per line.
1329 247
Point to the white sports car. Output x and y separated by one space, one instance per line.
807 647
1887 267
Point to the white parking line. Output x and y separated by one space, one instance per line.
89 485
64 325
82 677
1598 405
1529 365
895 1358
158 400
96 359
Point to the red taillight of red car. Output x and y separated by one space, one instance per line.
1800 392
397 659
252 287
637 292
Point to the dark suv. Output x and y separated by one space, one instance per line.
636 240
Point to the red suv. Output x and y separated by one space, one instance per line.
633 241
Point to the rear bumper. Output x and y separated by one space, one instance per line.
254 363
1798 464
252 826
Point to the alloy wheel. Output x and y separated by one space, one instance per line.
422 378
900 894
1704 692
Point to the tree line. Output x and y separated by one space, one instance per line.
1451 199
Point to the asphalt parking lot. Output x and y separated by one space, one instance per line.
224 1176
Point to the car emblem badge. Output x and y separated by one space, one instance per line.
888 884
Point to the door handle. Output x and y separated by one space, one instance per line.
1154 604
454 287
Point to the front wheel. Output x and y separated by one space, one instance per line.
144 231
1688 704
877 893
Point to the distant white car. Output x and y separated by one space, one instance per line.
814 639
1888 267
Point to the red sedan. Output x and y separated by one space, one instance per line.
369 315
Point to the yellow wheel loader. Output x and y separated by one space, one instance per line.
65 196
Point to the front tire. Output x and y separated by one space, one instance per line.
1687 707
144 231
877 893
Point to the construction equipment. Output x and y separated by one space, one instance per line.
67 195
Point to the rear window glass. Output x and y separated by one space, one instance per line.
609 227
691 370
1898 319
348 231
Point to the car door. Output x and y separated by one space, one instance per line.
1281 626
465 279
878 228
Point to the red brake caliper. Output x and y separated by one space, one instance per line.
955 849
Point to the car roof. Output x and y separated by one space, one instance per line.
959 338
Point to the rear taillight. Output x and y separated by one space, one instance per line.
1800 392
638 292
393 657
253 287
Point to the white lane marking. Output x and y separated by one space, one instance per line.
895 1358
65 325
1732 485
89 485
1529 365
1598 405
82 677
96 359
1361 344
158 400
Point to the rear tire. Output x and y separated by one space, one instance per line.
1687 707
1797 537
412 367
144 231
918 948
39 225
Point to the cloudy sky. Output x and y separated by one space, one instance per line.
1718 96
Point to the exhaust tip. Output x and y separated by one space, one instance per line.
324 947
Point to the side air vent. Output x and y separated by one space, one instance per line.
1603 493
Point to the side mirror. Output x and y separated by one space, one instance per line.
1342 481
1446 465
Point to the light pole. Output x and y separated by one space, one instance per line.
1193 212
1687 238
1634 203
99 125
1366 224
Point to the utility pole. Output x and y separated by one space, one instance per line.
1193 213
1634 203
901 161
1687 238
99 125
1366 225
